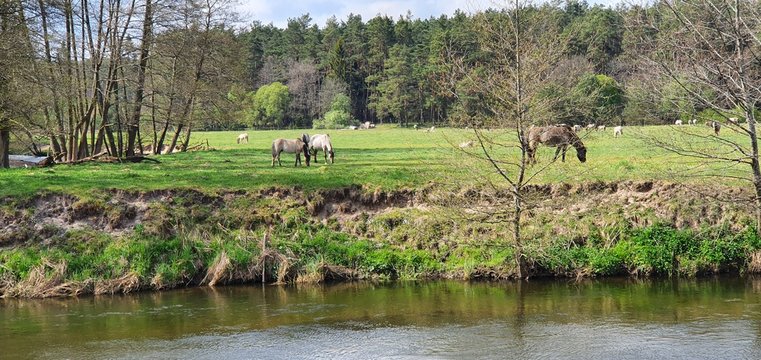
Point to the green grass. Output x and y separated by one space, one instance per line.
386 157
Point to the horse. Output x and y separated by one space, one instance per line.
292 146
242 137
558 136
618 131
715 125
322 142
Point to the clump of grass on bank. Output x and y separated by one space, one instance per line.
302 251
658 250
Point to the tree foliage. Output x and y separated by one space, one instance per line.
269 105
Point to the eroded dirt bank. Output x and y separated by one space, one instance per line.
120 241
49 216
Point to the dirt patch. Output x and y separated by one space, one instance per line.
640 203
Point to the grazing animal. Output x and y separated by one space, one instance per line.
601 128
693 122
577 128
305 138
431 129
292 146
372 126
715 125
557 136
618 131
242 137
678 122
352 127
414 126
321 142
733 120
466 144
365 125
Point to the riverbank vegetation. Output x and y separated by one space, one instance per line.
165 239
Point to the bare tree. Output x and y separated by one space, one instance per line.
710 50
15 58
303 85
523 46
134 124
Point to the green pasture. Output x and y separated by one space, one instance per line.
388 158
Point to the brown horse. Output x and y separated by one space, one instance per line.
558 136
292 146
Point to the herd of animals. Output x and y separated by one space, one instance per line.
308 145
560 136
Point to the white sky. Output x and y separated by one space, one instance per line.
278 12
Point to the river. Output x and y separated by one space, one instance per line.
717 318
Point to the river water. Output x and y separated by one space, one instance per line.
593 319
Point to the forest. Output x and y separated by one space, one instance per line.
81 78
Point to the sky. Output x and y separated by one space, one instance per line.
278 12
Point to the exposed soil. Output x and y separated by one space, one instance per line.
49 216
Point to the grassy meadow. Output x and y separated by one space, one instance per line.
386 157
182 240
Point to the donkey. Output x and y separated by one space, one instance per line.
292 146
558 136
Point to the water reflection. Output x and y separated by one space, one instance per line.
589 319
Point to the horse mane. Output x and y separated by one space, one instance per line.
575 139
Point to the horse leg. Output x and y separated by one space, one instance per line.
278 158
325 155
531 152
557 153
273 160
298 159
565 147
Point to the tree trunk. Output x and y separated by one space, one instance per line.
5 140
186 142
754 163
174 138
520 263
132 126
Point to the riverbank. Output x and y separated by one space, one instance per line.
120 241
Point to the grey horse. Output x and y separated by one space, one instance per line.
292 146
558 136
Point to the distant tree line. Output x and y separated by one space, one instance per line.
93 76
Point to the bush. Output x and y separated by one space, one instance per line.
333 119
